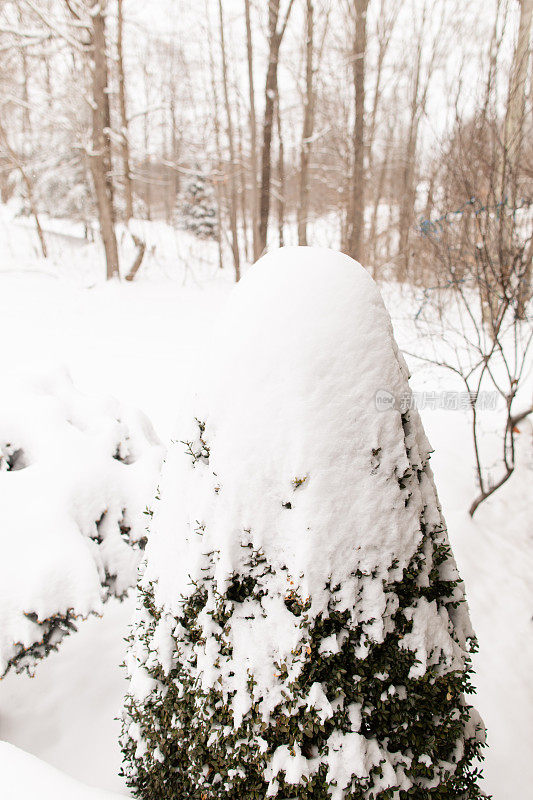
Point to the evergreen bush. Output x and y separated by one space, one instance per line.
301 630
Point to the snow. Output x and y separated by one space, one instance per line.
25 777
76 473
141 342
298 360
429 638
66 714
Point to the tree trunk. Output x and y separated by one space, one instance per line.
407 196
125 145
274 41
233 182
513 138
175 150
243 191
418 104
374 232
281 178
270 91
253 136
101 144
357 222
515 113
26 122
146 131
308 125
220 190
385 27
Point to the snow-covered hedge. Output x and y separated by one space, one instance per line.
301 630
76 474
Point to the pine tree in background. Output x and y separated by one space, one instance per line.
197 207
301 630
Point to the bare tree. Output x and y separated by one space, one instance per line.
386 20
18 164
379 190
280 189
177 69
276 32
233 180
514 133
387 16
87 34
219 178
253 135
100 156
124 133
516 104
26 122
481 261
356 221
360 163
139 243
243 192
147 134
308 124
420 83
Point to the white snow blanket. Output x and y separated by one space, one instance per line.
302 354
76 474
25 777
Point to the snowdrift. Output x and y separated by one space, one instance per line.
25 777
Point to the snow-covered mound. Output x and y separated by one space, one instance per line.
25 777
294 442
301 625
76 474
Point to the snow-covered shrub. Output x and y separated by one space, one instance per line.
197 207
67 194
301 630
76 473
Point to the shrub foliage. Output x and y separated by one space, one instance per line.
401 728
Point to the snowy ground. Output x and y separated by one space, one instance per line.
140 342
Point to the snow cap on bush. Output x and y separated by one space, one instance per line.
301 628
76 473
